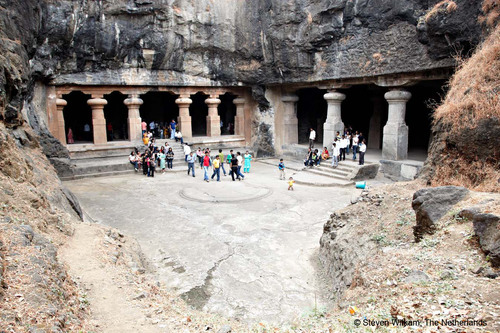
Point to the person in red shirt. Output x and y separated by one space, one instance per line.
207 163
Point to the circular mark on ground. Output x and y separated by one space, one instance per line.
214 194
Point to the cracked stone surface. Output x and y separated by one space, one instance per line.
253 259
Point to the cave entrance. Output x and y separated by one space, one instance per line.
160 107
424 95
199 112
311 113
227 112
365 110
116 114
78 117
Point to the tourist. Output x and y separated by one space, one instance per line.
144 127
362 150
234 166
109 128
337 136
152 127
86 132
170 157
199 154
248 158
317 160
348 142
187 151
314 158
308 158
216 165
151 165
325 154
312 138
133 160
144 160
145 139
206 164
239 158
290 183
172 129
70 136
361 137
161 159
355 142
178 136
228 160
221 159
281 167
342 148
191 159
335 155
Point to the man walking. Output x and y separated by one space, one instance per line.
239 158
207 163
191 159
187 151
221 160
234 167
355 143
216 165
312 138
335 155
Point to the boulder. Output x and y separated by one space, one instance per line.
487 229
430 204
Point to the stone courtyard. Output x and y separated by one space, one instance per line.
246 249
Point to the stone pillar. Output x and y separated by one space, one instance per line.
375 124
290 121
213 119
184 119
98 120
61 129
239 119
333 122
134 118
395 141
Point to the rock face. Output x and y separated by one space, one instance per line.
342 247
487 229
430 204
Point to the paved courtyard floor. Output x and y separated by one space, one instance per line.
243 249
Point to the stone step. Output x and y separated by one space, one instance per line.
340 176
311 179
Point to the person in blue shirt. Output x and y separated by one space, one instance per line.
281 167
172 129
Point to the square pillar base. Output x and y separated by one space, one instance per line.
395 142
213 125
329 132
291 131
134 129
99 131
184 123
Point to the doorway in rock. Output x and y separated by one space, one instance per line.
160 107
227 111
311 113
199 112
78 117
424 95
116 114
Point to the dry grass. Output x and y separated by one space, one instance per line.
445 6
491 12
475 88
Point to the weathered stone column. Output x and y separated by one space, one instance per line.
134 118
98 120
395 141
61 130
239 119
333 122
290 121
184 119
213 118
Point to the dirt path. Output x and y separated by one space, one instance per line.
109 292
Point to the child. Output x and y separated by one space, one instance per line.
290 183
281 167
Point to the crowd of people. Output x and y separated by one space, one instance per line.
343 144
162 158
